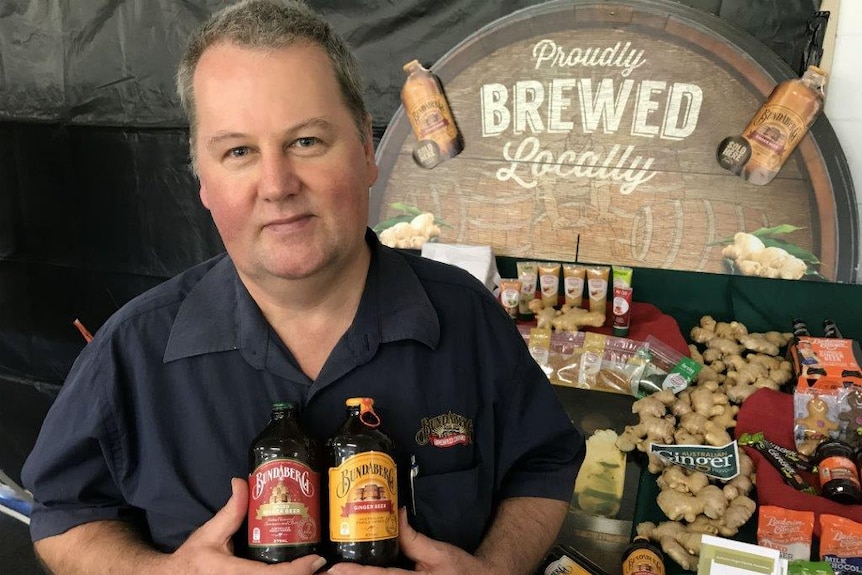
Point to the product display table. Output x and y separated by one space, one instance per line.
603 539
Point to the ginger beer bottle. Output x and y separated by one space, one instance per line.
781 123
363 489
430 116
283 490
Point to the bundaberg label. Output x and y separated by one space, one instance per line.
363 499
284 504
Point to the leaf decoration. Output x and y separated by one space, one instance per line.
775 231
794 250
762 233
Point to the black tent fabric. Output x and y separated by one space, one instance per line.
96 199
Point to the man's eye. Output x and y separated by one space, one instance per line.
307 142
238 152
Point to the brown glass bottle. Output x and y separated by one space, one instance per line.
800 328
778 126
363 490
284 498
830 329
641 557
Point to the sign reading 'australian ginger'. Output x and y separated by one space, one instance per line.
601 137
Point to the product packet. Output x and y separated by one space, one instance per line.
809 568
815 417
589 360
787 530
667 369
841 544
825 363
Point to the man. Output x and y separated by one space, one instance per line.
134 463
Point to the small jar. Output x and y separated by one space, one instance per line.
839 476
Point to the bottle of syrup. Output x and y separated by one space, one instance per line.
781 123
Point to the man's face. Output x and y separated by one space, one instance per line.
282 167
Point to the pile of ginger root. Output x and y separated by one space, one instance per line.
735 363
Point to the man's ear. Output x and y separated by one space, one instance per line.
204 196
370 160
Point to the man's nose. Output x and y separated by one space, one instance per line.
278 176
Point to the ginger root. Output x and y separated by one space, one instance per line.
412 234
735 363
676 540
753 258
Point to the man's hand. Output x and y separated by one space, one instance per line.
209 549
431 557
104 547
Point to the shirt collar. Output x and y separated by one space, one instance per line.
394 306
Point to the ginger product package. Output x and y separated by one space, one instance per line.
549 283
841 544
787 530
574 277
528 274
510 296
597 287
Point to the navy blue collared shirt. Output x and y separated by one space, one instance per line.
159 409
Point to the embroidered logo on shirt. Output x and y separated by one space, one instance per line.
446 430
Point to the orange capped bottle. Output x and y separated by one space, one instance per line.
363 489
430 117
781 123
283 490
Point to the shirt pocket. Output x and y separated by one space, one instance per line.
454 507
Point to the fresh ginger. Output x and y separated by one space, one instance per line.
753 258
676 540
735 363
709 501
412 234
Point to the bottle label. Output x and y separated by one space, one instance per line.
363 499
774 133
837 467
564 566
283 504
643 562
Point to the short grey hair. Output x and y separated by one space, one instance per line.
271 24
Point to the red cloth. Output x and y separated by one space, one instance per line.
646 319
772 413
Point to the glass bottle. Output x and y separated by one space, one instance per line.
363 489
642 557
800 328
430 116
284 490
781 123
830 329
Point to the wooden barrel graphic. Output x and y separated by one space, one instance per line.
591 127
663 233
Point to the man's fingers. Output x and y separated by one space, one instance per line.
413 544
229 518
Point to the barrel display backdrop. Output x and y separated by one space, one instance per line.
590 131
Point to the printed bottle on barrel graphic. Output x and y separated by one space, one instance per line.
430 116
774 132
283 490
363 489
